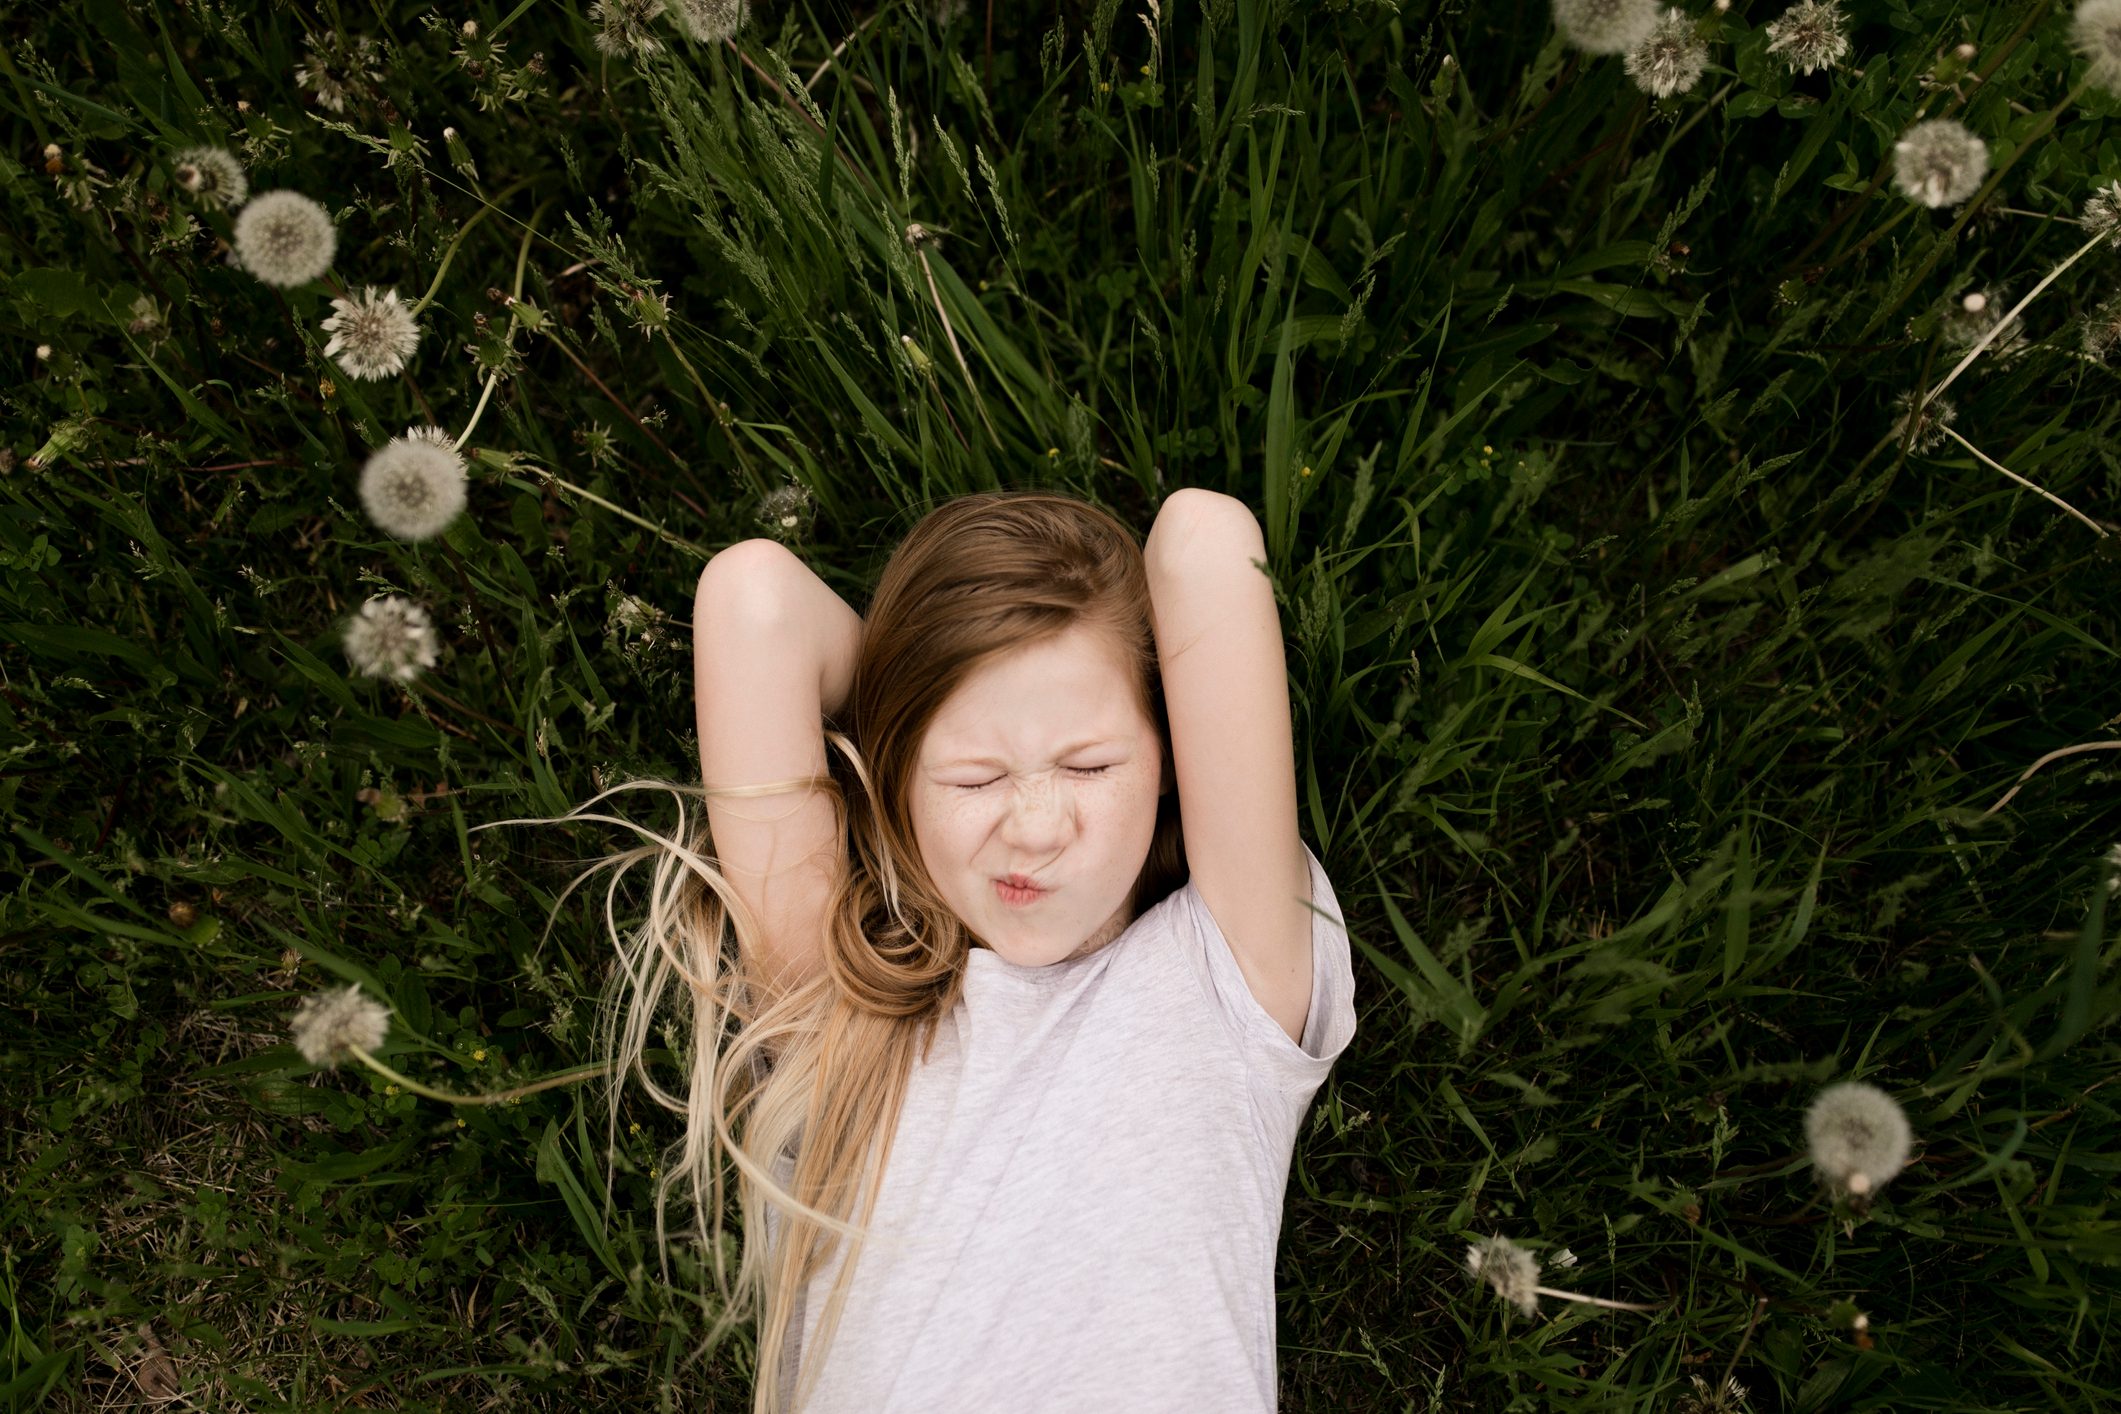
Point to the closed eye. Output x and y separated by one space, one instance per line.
1079 770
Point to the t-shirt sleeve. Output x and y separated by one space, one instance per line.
1270 1055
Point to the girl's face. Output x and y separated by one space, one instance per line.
1040 764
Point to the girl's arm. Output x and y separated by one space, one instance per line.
1226 690
773 652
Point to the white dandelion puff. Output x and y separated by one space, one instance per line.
213 175
1921 427
285 238
1605 26
1509 1269
391 637
1671 59
1810 35
1969 321
414 486
623 26
2102 213
328 1026
782 509
2102 331
709 21
372 334
1938 162
1858 1136
2096 30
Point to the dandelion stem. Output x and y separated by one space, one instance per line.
852 35
1610 1305
451 253
1759 1305
2003 323
1991 461
589 495
564 1077
477 412
2027 773
530 229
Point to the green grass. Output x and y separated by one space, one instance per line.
1651 695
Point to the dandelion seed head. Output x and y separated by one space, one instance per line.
782 509
328 1025
1670 59
1938 162
372 334
709 21
1605 26
1969 321
391 637
2096 31
285 238
1509 1269
2102 213
213 175
623 26
1858 1135
334 71
1811 35
414 486
1924 428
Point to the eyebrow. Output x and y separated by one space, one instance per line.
997 761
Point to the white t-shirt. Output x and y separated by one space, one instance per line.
1087 1180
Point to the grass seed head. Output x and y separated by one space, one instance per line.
285 239
413 486
1509 1269
2096 31
1670 59
1858 1135
372 334
213 175
1938 162
327 1025
1810 35
391 637
1605 26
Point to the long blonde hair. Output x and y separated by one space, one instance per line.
818 1076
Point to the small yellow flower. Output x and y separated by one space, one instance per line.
634 1128
1146 71
1486 450
390 1089
479 1054
1104 88
1052 451
460 1121
1307 471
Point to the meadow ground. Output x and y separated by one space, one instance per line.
1691 508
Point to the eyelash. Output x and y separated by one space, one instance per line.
1081 770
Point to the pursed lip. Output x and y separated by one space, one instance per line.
1021 881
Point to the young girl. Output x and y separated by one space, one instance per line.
1004 1148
